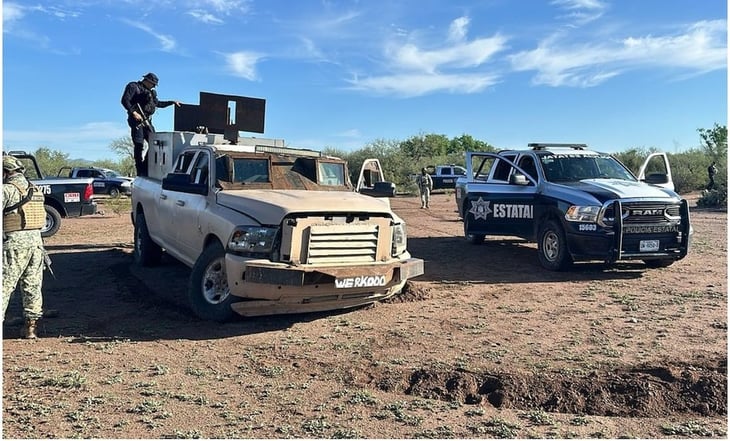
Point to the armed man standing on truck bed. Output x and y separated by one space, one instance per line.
23 253
140 101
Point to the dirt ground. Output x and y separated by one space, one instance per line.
486 344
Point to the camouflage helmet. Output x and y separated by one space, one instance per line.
11 163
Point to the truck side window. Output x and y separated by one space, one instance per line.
183 162
528 165
221 168
200 169
502 169
82 174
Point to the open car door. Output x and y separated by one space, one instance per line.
372 181
656 171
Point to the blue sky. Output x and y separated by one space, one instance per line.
613 74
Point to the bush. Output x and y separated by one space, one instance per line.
713 198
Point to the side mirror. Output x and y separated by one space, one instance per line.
380 190
656 178
518 179
181 182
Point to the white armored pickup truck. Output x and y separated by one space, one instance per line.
266 229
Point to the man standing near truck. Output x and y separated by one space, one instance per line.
711 172
425 185
23 253
140 101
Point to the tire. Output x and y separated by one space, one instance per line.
114 192
659 263
146 252
53 222
208 293
552 248
474 239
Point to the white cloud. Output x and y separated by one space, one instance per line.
702 47
243 64
449 67
410 85
204 17
88 141
581 11
467 54
458 29
226 6
351 133
12 12
167 42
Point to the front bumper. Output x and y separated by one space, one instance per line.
266 287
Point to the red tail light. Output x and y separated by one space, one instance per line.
88 192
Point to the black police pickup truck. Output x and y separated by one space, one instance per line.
64 197
106 181
577 204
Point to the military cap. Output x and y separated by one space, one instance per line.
11 163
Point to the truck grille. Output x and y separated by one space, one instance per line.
644 213
342 244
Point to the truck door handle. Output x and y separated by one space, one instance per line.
163 196
180 203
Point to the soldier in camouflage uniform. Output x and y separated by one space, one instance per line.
23 253
425 186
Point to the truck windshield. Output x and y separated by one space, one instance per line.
572 168
331 173
250 170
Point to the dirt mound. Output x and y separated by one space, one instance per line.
641 392
411 293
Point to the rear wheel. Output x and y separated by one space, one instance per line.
146 252
472 238
208 293
53 222
552 248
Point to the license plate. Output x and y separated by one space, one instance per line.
647 246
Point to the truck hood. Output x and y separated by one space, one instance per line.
269 207
605 189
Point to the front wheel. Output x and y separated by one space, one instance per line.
208 293
552 248
114 192
53 222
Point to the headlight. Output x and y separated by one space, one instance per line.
399 239
252 239
577 213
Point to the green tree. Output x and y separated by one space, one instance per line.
714 142
51 161
425 146
467 143
124 148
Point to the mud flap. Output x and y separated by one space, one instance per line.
618 232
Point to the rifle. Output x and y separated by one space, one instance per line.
47 262
145 120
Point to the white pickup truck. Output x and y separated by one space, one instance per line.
266 229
